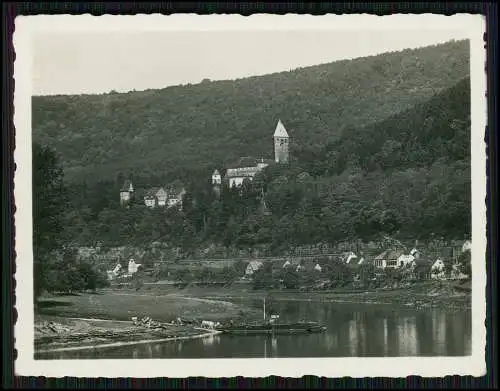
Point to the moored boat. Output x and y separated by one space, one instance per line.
272 326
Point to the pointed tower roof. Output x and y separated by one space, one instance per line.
280 130
216 172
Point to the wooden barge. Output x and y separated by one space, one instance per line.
273 328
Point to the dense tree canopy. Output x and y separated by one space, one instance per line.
48 211
55 266
407 176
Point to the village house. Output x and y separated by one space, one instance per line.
302 265
286 264
438 270
252 267
126 192
387 259
467 246
349 257
309 265
174 196
404 260
415 253
164 197
395 259
421 268
457 273
156 196
133 267
113 274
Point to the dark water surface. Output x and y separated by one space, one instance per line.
353 330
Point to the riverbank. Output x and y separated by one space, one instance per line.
105 319
448 295
62 334
125 304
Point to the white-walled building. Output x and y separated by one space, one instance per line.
467 246
405 260
244 168
252 267
438 270
112 274
216 178
126 192
133 267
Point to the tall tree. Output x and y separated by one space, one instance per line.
49 203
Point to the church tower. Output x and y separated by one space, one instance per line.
281 139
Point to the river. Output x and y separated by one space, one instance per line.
353 330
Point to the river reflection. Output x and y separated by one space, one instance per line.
352 331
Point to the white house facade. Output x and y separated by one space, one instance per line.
252 267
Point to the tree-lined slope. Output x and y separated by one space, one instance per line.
407 176
178 130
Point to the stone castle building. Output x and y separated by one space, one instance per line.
245 168
248 167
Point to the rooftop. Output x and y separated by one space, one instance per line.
248 161
280 130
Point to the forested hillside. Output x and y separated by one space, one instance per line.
187 130
407 176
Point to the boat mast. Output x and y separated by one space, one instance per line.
264 308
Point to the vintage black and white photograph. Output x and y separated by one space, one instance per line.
275 191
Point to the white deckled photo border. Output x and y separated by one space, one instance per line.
26 27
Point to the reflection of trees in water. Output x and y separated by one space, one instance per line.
407 337
439 331
210 340
458 333
351 331
330 341
385 331
274 346
353 338
424 333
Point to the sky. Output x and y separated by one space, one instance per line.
94 63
